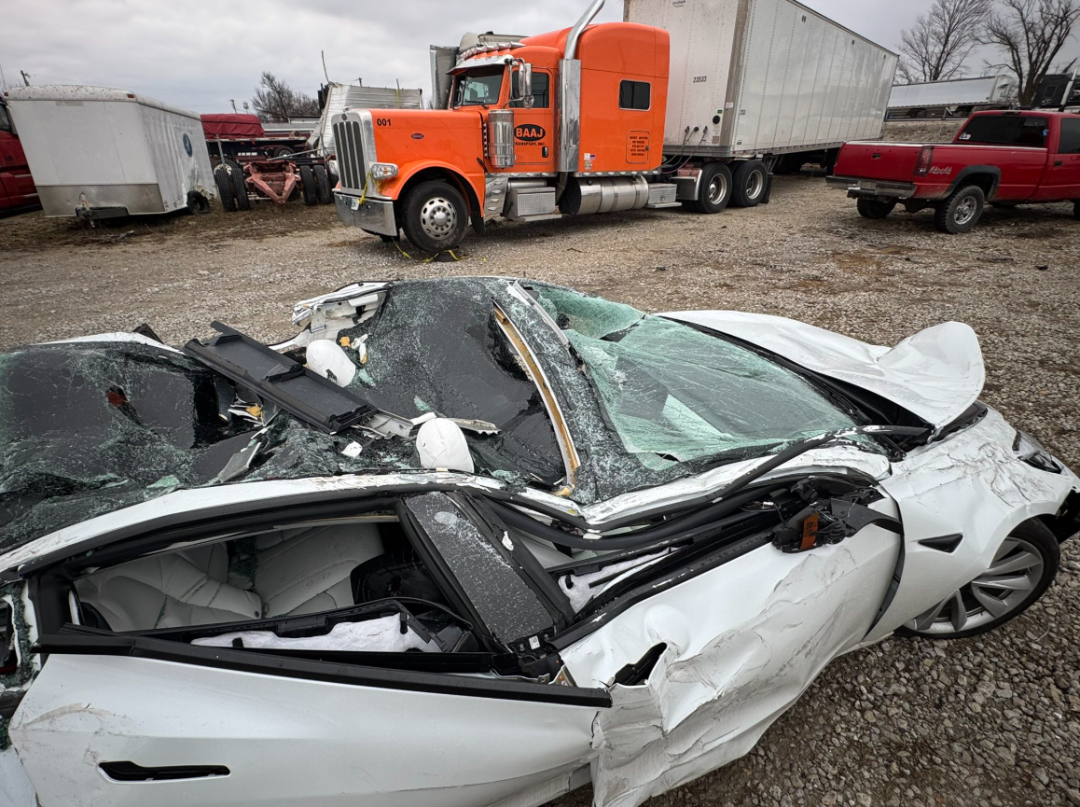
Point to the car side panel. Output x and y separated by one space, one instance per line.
287 742
744 641
971 485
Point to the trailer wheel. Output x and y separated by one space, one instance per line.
236 174
961 211
874 208
322 185
748 184
307 182
714 189
435 216
283 151
225 187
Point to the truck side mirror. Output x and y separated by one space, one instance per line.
524 86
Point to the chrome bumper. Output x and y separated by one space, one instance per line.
872 188
373 216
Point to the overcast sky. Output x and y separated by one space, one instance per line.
201 54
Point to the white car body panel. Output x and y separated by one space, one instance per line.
935 374
772 621
16 789
287 742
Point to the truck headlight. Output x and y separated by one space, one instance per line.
1034 453
383 171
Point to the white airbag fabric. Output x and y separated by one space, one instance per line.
382 635
935 374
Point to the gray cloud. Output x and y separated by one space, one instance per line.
200 54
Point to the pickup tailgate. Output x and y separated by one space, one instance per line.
887 161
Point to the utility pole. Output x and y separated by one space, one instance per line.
233 102
25 77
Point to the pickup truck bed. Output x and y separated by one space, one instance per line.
1006 158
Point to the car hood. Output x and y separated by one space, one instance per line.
935 374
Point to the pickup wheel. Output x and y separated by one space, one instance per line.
874 208
961 211
1076 210
714 189
748 184
435 216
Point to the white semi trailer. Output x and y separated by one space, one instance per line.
957 97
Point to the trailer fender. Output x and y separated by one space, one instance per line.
470 186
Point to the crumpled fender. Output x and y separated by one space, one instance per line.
935 374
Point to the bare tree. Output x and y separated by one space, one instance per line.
1030 34
936 47
276 101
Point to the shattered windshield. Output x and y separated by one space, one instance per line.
675 394
479 87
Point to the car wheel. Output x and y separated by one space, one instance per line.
236 175
748 184
225 187
1023 568
307 182
874 208
714 189
322 185
961 211
435 216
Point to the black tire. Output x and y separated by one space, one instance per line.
748 184
434 216
322 185
961 211
225 187
714 189
197 203
283 151
828 162
874 208
1076 210
1036 537
239 183
307 183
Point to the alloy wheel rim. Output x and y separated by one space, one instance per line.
965 211
438 218
717 189
754 184
1000 590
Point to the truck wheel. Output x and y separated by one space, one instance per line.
961 211
714 189
225 187
283 151
435 216
307 182
236 174
748 184
874 208
322 184
1076 209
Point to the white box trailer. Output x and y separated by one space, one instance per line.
766 77
959 97
97 152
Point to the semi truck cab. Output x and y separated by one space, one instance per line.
564 123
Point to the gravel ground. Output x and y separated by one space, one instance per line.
992 720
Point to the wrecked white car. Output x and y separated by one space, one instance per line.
480 541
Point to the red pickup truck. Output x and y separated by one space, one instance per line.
17 189
1004 158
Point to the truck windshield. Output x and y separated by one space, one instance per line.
479 87
1006 130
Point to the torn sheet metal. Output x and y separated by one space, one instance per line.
729 670
935 374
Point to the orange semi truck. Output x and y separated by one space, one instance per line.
692 103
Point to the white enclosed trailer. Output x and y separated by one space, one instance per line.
957 97
97 152
766 78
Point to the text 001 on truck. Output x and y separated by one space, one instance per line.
1004 158
695 102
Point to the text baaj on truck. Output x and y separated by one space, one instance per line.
694 103
1001 158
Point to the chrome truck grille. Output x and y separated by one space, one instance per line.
350 154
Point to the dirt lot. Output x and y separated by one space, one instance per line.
993 720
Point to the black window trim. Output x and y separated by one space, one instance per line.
632 82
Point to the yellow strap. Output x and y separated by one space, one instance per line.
449 252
